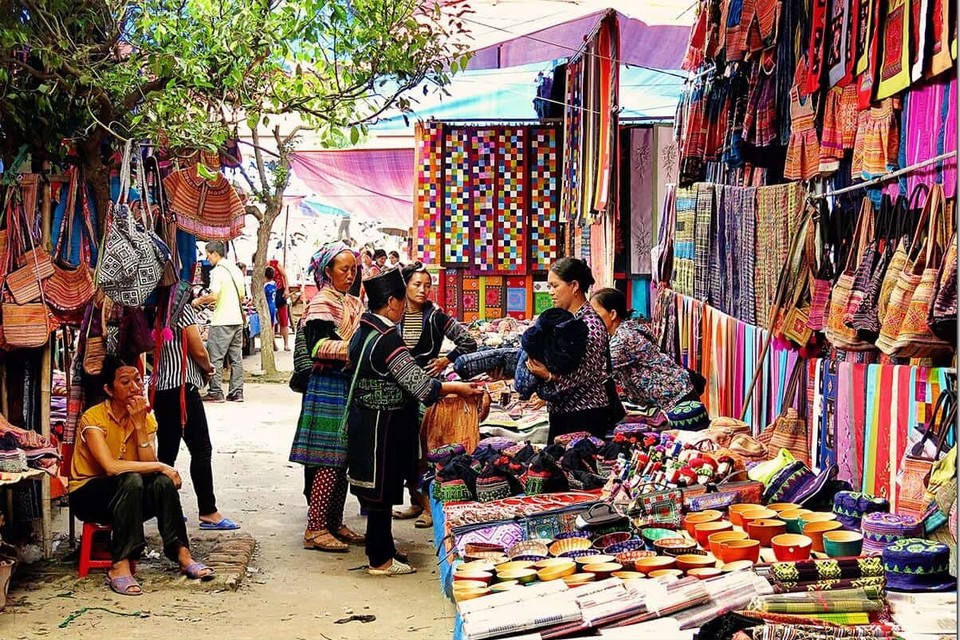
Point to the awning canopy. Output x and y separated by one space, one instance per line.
373 184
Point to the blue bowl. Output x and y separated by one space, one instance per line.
579 553
572 534
635 544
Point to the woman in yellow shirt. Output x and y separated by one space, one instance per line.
116 479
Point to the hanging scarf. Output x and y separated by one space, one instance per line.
886 416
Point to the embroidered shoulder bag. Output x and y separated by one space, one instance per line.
70 287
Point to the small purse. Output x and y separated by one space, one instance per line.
916 465
789 430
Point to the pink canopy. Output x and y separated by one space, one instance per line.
376 184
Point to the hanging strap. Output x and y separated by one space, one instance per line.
356 375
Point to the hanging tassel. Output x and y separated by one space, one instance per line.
167 334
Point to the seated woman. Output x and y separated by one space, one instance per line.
115 479
646 376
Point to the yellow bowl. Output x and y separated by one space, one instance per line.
523 576
716 539
476 565
579 579
513 565
478 576
459 585
628 575
656 563
736 509
557 571
692 520
570 544
551 562
602 570
469 594
500 587
660 573
600 558
782 506
687 562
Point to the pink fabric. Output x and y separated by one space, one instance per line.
843 431
376 184
923 127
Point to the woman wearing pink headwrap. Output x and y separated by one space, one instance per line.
320 357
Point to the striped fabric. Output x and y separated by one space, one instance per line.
319 440
412 328
170 371
684 245
702 239
747 259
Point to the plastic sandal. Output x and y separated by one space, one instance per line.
224 525
345 534
396 568
425 521
323 540
195 571
124 584
409 513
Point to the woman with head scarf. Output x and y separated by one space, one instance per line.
320 351
384 420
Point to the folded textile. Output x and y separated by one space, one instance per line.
832 569
558 339
471 365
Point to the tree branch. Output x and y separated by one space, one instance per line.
258 155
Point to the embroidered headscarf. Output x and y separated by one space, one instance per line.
323 258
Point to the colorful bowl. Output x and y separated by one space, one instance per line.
469 584
815 531
462 595
528 548
675 546
561 547
551 562
611 539
733 550
573 555
476 565
576 533
652 534
513 565
579 579
791 547
840 544
635 544
476 548
646 565
704 573
627 558
736 509
556 572
780 507
792 518
598 558
714 539
703 530
687 562
629 575
693 519
500 587
816 516
746 517
764 530
527 558
523 576
737 565
479 576
664 573
603 570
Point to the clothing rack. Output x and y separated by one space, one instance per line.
887 176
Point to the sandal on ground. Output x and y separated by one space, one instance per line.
346 534
409 513
425 521
125 585
198 571
224 525
396 568
400 556
323 540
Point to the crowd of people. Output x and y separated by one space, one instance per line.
366 370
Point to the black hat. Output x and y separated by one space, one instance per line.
386 285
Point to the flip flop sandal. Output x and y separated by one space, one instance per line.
396 568
425 521
409 513
124 584
195 571
346 535
325 541
224 525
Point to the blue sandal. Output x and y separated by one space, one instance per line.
124 584
195 571
224 525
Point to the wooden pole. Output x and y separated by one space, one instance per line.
46 383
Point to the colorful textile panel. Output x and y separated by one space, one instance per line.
470 299
456 198
571 196
510 238
485 204
452 287
428 200
494 297
541 297
544 198
519 297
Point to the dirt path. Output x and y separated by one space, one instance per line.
290 593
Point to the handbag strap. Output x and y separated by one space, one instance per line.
66 223
356 376
861 236
793 394
946 401
124 194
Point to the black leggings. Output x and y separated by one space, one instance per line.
196 433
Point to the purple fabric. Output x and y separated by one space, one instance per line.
926 135
373 183
844 425
657 46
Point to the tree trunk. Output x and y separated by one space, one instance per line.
268 361
97 175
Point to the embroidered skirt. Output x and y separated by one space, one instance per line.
319 439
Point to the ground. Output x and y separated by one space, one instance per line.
287 593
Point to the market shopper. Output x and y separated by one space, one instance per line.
181 370
424 326
393 260
270 293
646 376
282 302
225 339
115 478
383 424
320 351
585 400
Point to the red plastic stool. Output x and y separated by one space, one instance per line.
91 557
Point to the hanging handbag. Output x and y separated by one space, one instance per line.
70 287
943 313
165 221
94 344
23 283
910 227
132 258
917 463
865 320
837 332
823 274
789 430
869 262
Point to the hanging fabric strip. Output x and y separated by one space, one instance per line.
839 28
702 225
870 424
429 199
510 236
886 417
457 207
814 408
544 198
485 200
838 417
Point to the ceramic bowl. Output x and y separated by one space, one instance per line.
528 548
479 576
513 565
675 546
792 518
476 565
629 575
462 595
746 517
560 547
627 558
573 555
551 562
475 548
579 579
737 565
763 530
635 544
715 539
602 570
500 587
733 550
566 535
652 534
523 576
816 516
611 539
780 507
693 519
468 584
839 544
815 531
598 558
736 509
556 572
703 530
528 558
496 557
791 547
665 573
687 562
704 573
646 565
